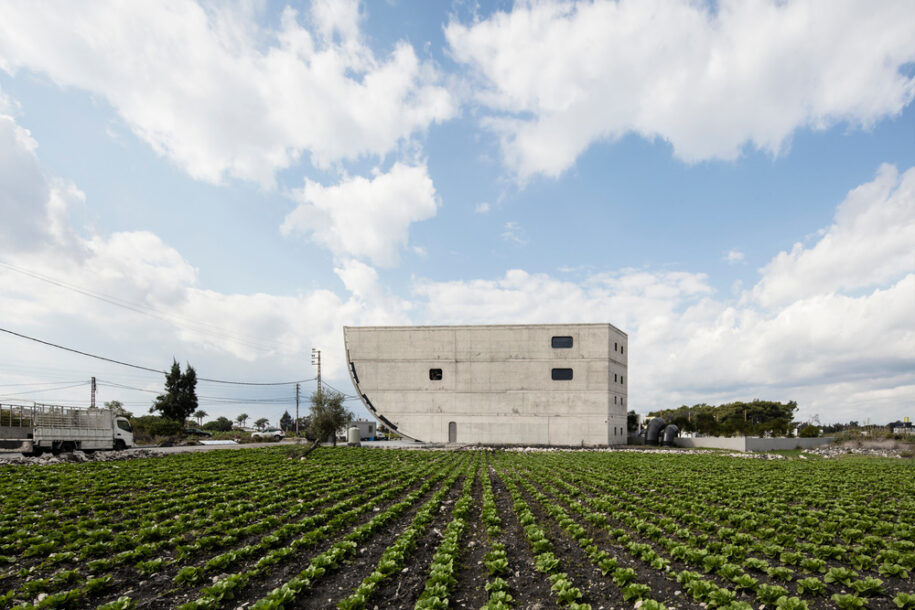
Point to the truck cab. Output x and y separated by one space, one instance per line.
123 433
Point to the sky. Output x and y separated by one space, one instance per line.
228 184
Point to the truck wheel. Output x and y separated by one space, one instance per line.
276 439
119 445
68 447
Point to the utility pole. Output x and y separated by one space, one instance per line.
297 410
316 360
92 402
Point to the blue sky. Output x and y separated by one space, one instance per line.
730 184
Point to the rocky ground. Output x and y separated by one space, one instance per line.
885 448
127 454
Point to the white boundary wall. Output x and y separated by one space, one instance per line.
752 443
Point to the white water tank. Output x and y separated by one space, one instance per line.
353 436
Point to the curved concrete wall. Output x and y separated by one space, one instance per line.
496 384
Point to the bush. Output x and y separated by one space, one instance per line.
809 431
154 425
219 425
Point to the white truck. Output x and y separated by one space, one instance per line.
37 428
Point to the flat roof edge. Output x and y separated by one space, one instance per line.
472 326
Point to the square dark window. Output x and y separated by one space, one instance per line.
435 374
562 374
621 349
614 400
615 378
561 342
615 346
622 379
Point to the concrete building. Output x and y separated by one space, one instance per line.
544 384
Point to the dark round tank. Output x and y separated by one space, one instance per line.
654 430
670 433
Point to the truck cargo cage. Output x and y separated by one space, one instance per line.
51 416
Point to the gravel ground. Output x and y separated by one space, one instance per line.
127 454
890 450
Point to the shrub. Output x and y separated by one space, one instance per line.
154 425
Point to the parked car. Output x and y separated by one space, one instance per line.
270 434
197 432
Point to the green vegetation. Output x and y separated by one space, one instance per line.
736 418
328 415
252 528
180 398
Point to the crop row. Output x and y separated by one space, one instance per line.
258 529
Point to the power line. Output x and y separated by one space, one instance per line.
11 385
78 385
200 327
339 391
146 368
215 399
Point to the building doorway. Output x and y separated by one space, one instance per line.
452 432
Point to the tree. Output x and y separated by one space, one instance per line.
747 418
809 431
261 423
180 398
632 422
241 419
328 415
286 422
222 424
199 414
117 407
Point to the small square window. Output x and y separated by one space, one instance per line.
614 400
615 378
435 374
622 379
621 349
562 374
561 342
615 345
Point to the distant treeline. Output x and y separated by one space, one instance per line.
734 418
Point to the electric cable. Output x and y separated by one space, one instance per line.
200 327
146 368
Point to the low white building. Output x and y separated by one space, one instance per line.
544 384
367 430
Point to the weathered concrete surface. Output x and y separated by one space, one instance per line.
496 383
752 443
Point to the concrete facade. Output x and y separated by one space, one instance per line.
494 384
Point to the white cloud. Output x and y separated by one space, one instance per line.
559 76
482 208
514 234
871 242
364 218
34 210
733 256
133 289
8 106
842 352
222 97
